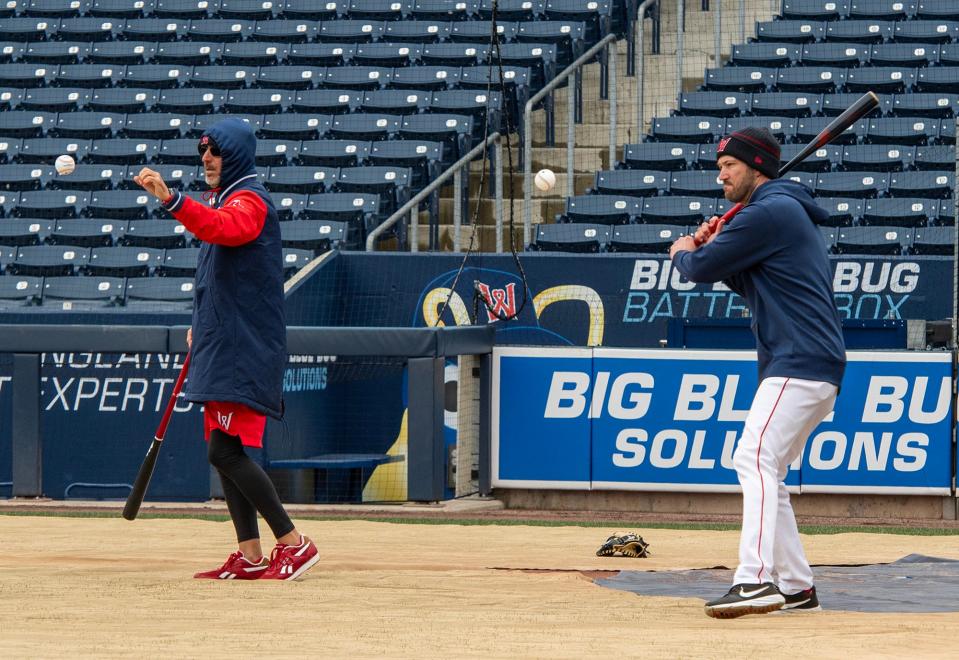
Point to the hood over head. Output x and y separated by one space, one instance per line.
237 144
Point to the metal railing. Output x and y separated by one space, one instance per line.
640 64
455 171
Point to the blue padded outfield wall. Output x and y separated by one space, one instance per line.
614 419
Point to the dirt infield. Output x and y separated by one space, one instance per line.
103 587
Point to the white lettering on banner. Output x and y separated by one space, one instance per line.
816 449
567 395
639 400
558 394
599 395
827 451
696 460
72 394
112 361
910 447
630 448
851 276
865 443
657 456
698 389
885 400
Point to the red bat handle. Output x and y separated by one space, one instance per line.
717 223
161 429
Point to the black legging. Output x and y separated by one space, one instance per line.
246 488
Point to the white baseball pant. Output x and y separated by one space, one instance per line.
783 414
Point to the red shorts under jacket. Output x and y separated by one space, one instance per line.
234 419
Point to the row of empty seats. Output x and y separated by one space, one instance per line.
834 10
859 31
822 79
837 54
79 293
658 238
809 104
682 209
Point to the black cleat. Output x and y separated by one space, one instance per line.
803 601
745 599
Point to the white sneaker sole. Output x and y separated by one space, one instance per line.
800 610
305 567
763 605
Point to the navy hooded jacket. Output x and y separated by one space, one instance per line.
239 329
772 254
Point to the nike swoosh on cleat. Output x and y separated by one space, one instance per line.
749 594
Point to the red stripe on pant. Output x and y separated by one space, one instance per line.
762 485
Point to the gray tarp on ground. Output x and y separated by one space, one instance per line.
912 584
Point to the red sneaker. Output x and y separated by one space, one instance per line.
289 562
236 567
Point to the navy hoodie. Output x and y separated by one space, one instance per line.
773 255
239 329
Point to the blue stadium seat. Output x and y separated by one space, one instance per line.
885 10
512 10
91 75
947 132
52 204
18 232
479 32
698 130
902 130
669 156
221 30
386 54
926 105
785 104
294 260
122 52
120 204
947 210
318 54
254 53
203 122
290 31
937 10
815 10
926 32
49 260
455 54
357 77
808 128
859 31
600 18
812 79
872 240
442 10
191 101
352 32
702 183
571 238
569 37
851 184
56 52
631 183
160 293
764 54
655 239
418 32
54 8
882 79
454 131
296 76
28 29
289 206
704 157
180 177
937 185
904 55
809 179
356 209
73 293
783 128
835 54
364 127
790 31
276 152
938 80
88 177
835 104
901 212
26 123
829 235
87 232
301 180
377 10
824 159
540 59
716 104
188 53
258 101
938 157
191 9
603 209
223 77
394 101
156 126
160 234
515 81
122 100
934 241
27 75
423 157
11 98
123 261
122 8
19 291
55 99
88 125
843 211
179 262
390 183
311 9
739 79
316 235
88 29
34 176
877 158
948 54
327 101
425 77
334 153
10 149
249 10
294 126
124 151
12 51
181 151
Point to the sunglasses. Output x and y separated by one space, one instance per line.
212 148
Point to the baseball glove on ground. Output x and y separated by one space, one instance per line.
628 545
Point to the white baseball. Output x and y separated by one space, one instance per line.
65 164
545 180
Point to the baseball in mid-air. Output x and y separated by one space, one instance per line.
545 180
65 164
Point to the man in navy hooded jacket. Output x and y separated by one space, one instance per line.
772 254
238 342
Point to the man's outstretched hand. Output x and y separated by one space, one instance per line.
152 182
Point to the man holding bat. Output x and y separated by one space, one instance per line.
238 342
772 254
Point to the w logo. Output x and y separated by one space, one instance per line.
500 303
225 420
722 145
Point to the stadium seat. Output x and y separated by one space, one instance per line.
785 104
835 54
386 54
327 101
655 239
55 99
333 153
859 31
783 128
357 77
478 32
600 18
926 32
926 105
16 232
294 260
739 79
296 76
56 52
807 179
394 101
687 129
851 184
7 254
276 152
934 241
317 235
418 32
922 184
123 261
947 132
824 159
28 29
88 177
301 180
294 126
121 8
120 204
288 31
425 77
843 211
310 9
26 123
22 76
704 157
221 30
123 100
815 10
20 291
252 53
715 104
12 51
423 157
377 10
51 204
353 32
54 8
904 55
179 262
885 10
568 37
71 293
124 151
191 101
946 215
156 126
87 232
88 28
511 10
871 240
881 79
835 104
121 53
764 54
179 177
539 58
91 75
937 10
668 156
49 260
87 125
703 183
603 209
789 31
160 234
289 206
390 183
877 158
902 212
948 55
442 10
938 80
896 130
364 127
188 53
571 238
812 79
829 235
34 176
454 131
160 293
191 9
10 150
455 54
202 122
223 77
360 212
632 183
808 128
938 157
